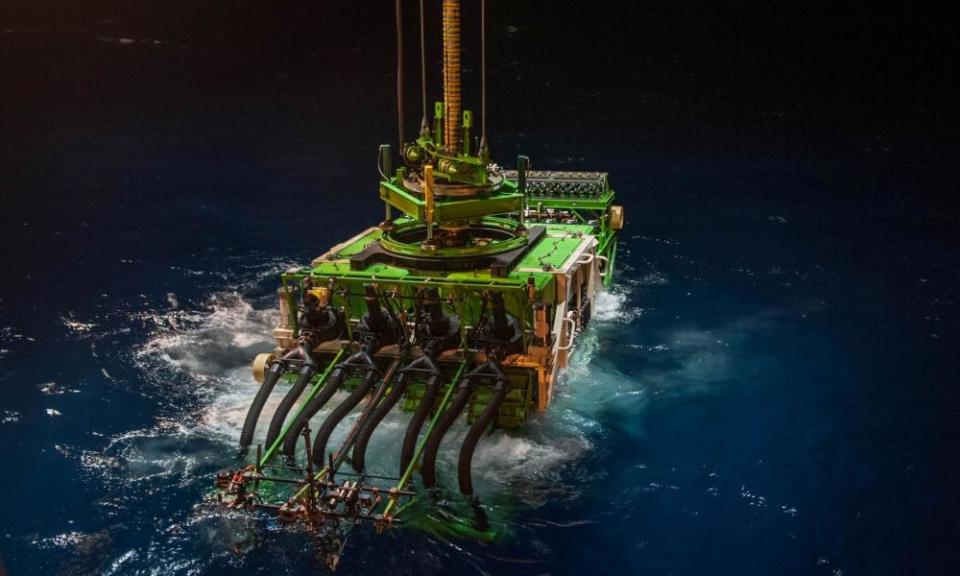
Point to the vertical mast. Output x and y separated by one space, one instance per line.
484 151
400 130
451 76
424 127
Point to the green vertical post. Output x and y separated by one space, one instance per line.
523 164
467 125
438 123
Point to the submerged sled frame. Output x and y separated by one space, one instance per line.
548 287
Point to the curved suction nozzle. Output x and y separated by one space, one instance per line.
326 429
465 390
315 405
289 399
377 416
488 416
376 329
427 401
250 422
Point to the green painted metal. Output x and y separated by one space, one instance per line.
450 209
574 204
459 167
318 476
612 259
390 242
516 405
551 252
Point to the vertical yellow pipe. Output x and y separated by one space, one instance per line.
451 75
428 198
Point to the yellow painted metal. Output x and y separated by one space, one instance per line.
428 192
321 294
260 365
616 217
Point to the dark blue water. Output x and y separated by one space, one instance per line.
769 388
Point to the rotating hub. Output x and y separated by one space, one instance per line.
487 237
493 243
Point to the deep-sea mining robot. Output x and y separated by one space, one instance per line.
459 308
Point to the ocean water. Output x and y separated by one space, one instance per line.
770 386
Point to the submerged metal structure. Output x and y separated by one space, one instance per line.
459 308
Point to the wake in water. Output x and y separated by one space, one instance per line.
213 349
194 364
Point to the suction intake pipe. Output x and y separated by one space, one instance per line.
489 415
427 401
315 405
319 450
424 363
280 416
269 370
253 414
379 413
465 390
303 347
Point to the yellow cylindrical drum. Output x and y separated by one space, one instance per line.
260 366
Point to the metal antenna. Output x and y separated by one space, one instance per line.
484 152
400 71
424 127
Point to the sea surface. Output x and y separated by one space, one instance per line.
769 387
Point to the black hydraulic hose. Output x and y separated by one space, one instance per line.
306 354
476 431
381 411
312 407
250 423
280 416
338 414
428 469
423 410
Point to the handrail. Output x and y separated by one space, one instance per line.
606 268
573 326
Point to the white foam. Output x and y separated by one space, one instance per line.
210 350
612 306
